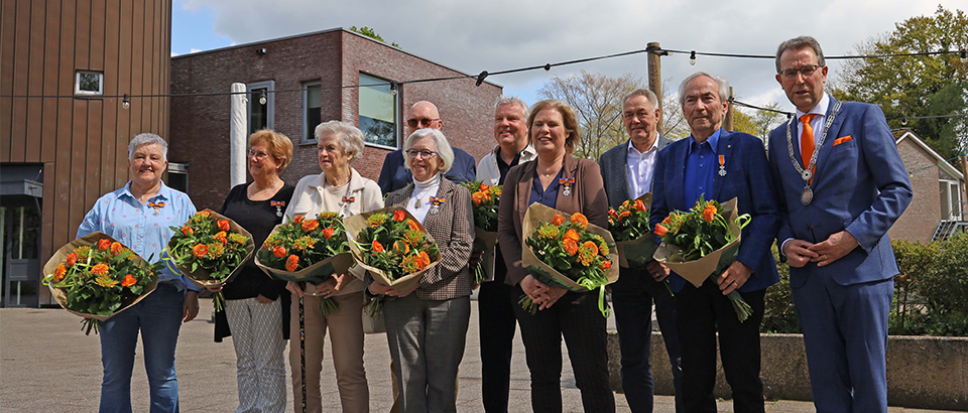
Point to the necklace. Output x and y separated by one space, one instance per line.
806 197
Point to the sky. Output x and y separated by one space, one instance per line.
506 34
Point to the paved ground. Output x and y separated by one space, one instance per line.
48 365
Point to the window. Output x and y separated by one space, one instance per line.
312 103
950 200
261 115
378 112
178 176
89 83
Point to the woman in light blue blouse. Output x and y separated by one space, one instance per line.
139 216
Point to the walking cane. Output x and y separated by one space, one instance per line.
302 346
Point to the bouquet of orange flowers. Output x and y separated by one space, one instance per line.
97 277
307 250
633 238
485 201
567 253
209 249
701 243
393 247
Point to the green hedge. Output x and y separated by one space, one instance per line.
930 293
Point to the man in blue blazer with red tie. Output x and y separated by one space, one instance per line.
716 164
840 185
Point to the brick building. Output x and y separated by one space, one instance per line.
307 79
938 205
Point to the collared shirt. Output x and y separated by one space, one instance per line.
817 122
547 196
491 170
640 168
120 215
701 164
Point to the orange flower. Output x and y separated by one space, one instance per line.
202 213
591 247
221 237
413 225
376 246
187 230
661 230
200 250
100 269
557 220
297 219
116 248
104 245
309 225
579 220
60 272
223 224
606 265
292 263
399 215
625 204
128 281
424 259
401 247
709 213
570 246
71 259
667 220
624 214
572 235
484 187
477 198
328 232
279 251
639 205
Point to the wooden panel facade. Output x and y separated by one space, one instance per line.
81 141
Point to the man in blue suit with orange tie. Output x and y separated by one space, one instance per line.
713 163
840 186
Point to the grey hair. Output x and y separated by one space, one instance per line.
721 81
350 137
147 139
444 150
650 95
507 100
798 43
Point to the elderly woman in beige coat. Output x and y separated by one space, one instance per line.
338 188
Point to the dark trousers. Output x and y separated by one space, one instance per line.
632 297
576 317
701 312
497 325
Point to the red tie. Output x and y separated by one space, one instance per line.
806 141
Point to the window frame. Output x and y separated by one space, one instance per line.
270 86
397 123
77 83
308 132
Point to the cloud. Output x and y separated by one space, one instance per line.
173 54
194 50
506 34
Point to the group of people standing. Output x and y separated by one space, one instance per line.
827 194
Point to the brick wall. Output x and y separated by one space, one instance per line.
921 218
200 125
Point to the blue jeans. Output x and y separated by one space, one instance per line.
632 297
158 317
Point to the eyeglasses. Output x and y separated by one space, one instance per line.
805 70
425 122
424 154
258 155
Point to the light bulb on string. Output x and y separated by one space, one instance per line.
393 89
964 55
125 102
692 58
262 99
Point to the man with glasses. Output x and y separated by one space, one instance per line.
840 184
394 176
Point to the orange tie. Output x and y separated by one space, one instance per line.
806 141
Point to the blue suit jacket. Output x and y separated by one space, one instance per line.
860 185
615 172
747 179
394 176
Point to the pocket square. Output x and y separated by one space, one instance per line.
841 140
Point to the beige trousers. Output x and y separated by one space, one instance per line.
346 338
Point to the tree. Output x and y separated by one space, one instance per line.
597 99
368 32
907 87
760 123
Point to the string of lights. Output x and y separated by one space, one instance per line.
911 173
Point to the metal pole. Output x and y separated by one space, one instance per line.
728 124
655 79
964 183
238 131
